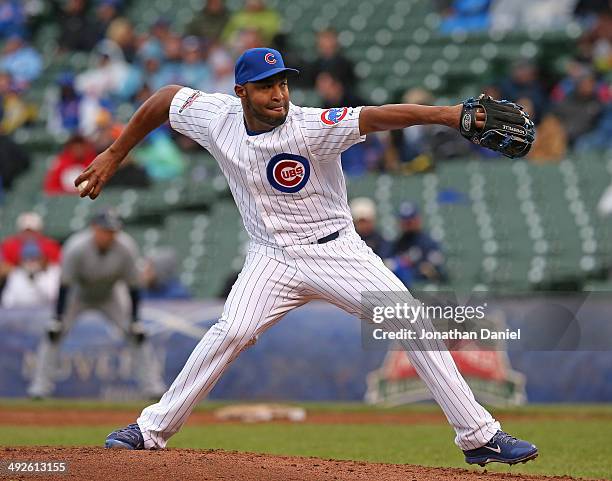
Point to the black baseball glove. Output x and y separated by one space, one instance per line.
507 129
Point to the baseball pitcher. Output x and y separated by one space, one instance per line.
282 163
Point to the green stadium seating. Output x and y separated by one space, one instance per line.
514 227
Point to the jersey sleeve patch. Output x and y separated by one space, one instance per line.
190 100
333 116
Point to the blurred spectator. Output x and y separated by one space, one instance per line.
29 229
551 140
596 43
294 55
524 82
194 72
581 110
130 175
77 32
151 46
142 95
604 206
160 31
170 69
222 65
574 70
106 132
600 137
467 16
36 13
34 282
64 105
150 68
416 256
492 90
108 75
363 157
14 160
121 32
77 154
246 39
513 15
160 156
21 61
363 211
254 15
11 18
106 12
334 94
90 111
210 22
159 276
14 112
416 148
330 59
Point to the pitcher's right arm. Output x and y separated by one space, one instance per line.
151 114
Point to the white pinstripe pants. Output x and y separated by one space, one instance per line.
277 280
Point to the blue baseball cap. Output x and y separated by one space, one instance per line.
107 218
260 63
408 210
65 79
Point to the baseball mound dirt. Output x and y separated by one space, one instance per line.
94 463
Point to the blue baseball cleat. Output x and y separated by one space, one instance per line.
502 448
128 437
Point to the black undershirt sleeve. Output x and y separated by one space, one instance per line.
135 296
61 301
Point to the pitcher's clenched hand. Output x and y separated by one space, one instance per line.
97 174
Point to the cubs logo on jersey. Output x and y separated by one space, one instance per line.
333 116
288 173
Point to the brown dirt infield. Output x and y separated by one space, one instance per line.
93 463
43 417
23 416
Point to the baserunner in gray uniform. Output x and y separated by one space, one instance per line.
98 270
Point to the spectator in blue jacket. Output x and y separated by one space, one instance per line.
363 211
160 277
64 106
194 71
524 81
415 254
21 61
11 18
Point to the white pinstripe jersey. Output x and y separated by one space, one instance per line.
288 182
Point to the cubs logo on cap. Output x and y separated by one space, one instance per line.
288 173
333 116
260 63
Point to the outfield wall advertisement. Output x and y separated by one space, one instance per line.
314 353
